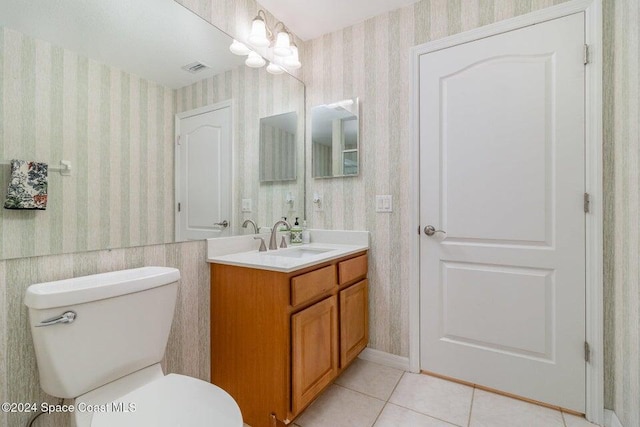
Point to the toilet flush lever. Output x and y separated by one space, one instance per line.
66 317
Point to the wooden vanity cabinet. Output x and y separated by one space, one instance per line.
279 339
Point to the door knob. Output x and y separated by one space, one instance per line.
430 230
223 224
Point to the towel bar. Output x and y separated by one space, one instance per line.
64 168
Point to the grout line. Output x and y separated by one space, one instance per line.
426 415
396 386
359 392
473 396
379 413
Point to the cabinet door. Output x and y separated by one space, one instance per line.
315 351
354 321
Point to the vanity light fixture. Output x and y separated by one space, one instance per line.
258 36
254 60
293 61
274 68
278 41
283 45
239 48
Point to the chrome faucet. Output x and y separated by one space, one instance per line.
273 245
255 226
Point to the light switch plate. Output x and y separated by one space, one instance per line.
384 203
246 205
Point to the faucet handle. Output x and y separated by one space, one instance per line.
263 247
283 243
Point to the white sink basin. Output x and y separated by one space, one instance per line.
299 252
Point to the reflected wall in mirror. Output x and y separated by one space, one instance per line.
278 141
99 84
335 135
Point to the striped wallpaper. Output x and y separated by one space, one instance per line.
622 208
371 60
321 159
114 127
256 94
278 154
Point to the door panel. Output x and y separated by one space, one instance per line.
354 321
502 172
518 322
204 174
314 335
505 200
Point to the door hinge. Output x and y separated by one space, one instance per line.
178 140
587 352
418 230
587 203
586 54
179 207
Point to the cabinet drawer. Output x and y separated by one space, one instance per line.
352 269
310 285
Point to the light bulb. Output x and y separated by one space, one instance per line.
292 61
239 48
283 45
274 68
258 36
254 60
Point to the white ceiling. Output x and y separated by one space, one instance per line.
309 19
152 39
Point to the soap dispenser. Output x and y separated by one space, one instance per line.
296 233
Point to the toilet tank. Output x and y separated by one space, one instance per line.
121 325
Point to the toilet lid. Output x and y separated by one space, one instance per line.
172 401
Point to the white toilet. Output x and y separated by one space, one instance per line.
99 340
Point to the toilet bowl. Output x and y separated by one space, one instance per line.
99 340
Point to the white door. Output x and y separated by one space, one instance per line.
502 293
203 173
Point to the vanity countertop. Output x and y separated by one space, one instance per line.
325 246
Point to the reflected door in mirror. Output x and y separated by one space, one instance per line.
203 172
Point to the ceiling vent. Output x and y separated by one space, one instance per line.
195 67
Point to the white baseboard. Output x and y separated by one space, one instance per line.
611 419
383 358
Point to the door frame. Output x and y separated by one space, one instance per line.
176 154
593 183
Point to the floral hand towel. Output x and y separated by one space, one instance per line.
28 186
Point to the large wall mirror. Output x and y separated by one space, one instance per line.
104 86
335 139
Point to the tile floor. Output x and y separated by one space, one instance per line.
368 394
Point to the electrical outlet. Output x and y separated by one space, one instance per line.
384 203
246 205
